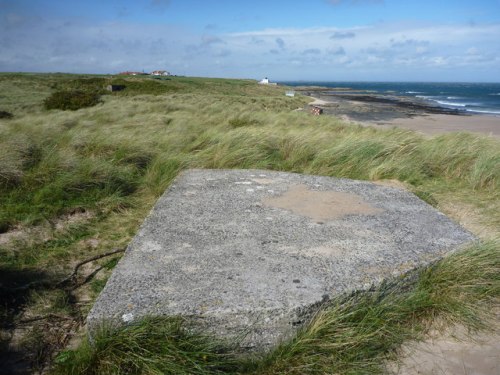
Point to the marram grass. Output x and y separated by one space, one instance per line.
359 333
152 346
354 334
112 161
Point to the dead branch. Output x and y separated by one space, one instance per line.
43 317
71 277
96 257
87 279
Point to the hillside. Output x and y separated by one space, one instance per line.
75 184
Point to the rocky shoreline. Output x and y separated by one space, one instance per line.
387 111
371 107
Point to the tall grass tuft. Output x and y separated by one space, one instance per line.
153 346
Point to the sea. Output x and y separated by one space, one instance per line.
469 97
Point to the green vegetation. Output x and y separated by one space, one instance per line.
154 346
71 100
74 184
358 333
352 334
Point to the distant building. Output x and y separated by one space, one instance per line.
266 81
160 73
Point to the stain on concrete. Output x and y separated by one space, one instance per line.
321 205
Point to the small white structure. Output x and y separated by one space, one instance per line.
264 81
290 93
160 73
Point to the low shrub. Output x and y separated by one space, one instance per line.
71 100
92 84
144 86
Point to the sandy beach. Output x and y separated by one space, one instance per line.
439 124
387 111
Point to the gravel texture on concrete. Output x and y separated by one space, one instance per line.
249 255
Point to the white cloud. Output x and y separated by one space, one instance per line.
438 60
472 51
300 53
382 49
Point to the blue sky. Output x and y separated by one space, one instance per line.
338 40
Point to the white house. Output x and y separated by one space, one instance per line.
160 73
264 81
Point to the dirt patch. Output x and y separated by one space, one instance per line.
321 205
12 235
77 217
44 232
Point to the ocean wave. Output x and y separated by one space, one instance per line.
455 104
495 94
414 92
453 97
478 111
452 104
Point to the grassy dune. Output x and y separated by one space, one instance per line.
74 184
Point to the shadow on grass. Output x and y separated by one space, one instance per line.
15 289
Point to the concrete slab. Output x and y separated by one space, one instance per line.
248 255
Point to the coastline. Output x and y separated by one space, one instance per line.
388 111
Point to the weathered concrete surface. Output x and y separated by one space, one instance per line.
248 254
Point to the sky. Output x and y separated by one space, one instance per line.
310 40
